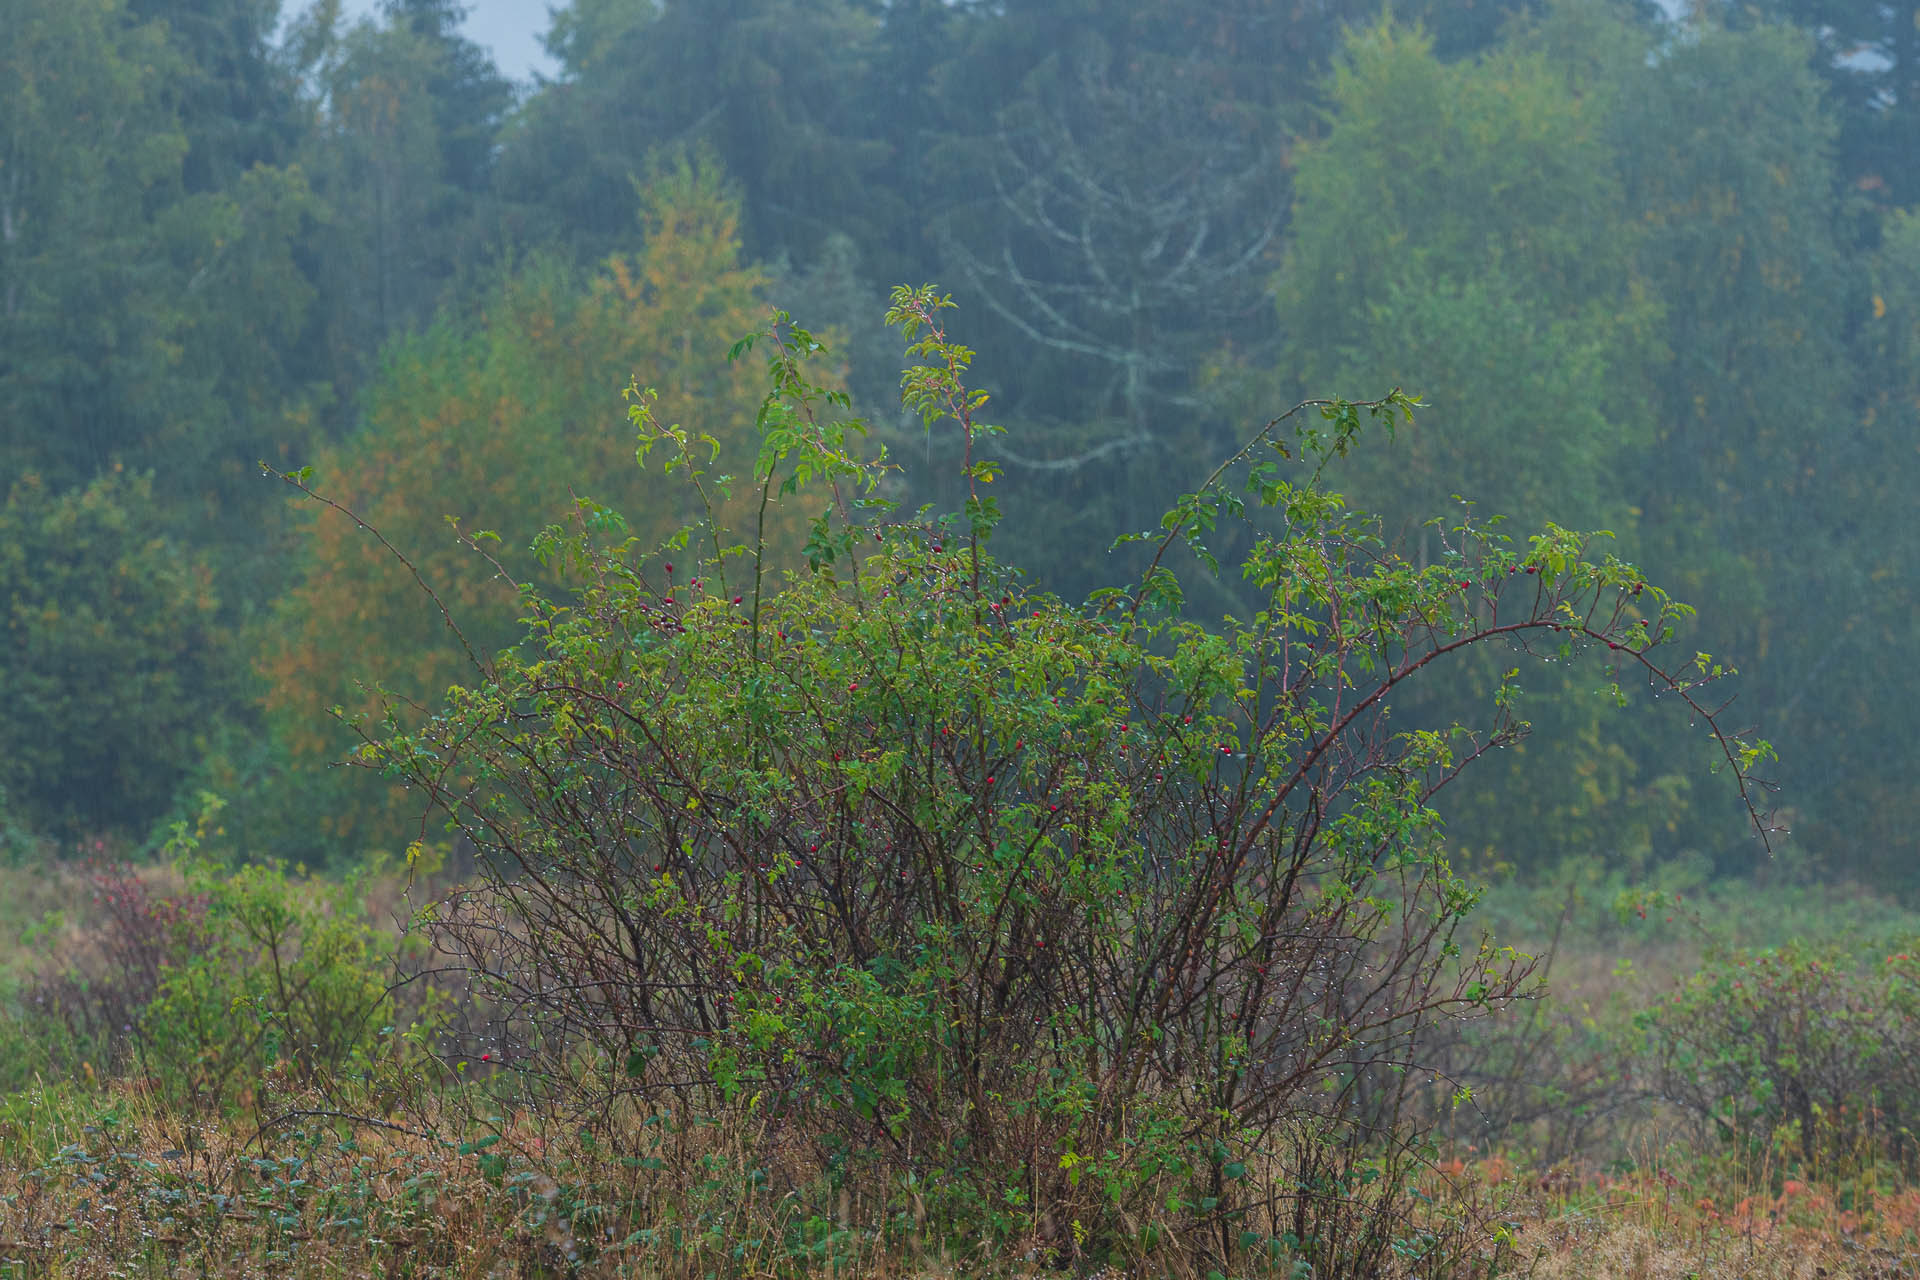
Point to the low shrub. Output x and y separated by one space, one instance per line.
1553 1081
1800 1050
1091 931
79 1008
277 969
198 978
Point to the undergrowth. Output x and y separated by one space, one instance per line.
886 915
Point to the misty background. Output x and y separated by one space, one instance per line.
1655 269
509 30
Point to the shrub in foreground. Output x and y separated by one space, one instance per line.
1001 920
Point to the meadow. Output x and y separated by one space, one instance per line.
111 1171
891 916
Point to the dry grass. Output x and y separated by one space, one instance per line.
1704 1223
1656 1227
100 1182
98 1179
44 908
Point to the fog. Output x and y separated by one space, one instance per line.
1651 270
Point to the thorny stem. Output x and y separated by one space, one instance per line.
298 482
1240 455
958 405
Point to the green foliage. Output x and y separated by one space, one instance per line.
142 322
1613 255
115 666
1894 311
1801 1049
404 118
202 980
1767 476
1624 255
1043 915
1868 54
236 105
761 84
275 970
1732 182
488 426
1863 820
84 315
1459 229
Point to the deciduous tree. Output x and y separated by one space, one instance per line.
116 668
492 424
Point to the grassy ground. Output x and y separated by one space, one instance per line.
1649 1200
104 1178
102 1183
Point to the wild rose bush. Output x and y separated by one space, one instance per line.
1094 926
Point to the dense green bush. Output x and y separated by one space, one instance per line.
1800 1049
111 653
276 969
1089 926
201 978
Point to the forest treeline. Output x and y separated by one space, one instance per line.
1650 275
